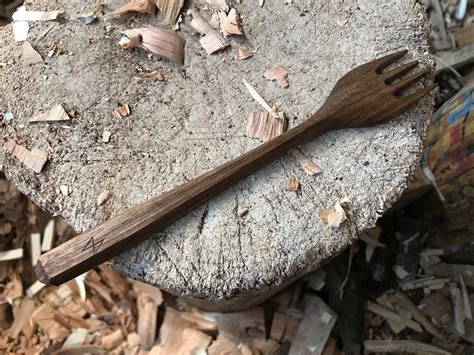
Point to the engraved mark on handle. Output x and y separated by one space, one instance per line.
91 243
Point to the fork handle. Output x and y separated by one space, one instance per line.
125 230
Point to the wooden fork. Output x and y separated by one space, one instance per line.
363 97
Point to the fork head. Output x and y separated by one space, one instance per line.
368 95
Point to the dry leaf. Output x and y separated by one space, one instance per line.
218 5
231 23
142 6
157 40
308 165
264 126
155 74
56 114
292 184
121 111
336 217
30 55
245 53
170 9
34 159
104 197
211 40
278 73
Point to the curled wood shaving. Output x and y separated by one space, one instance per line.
142 6
292 184
211 40
336 217
264 126
104 197
245 53
30 55
155 74
308 165
259 99
218 5
231 23
157 40
278 73
56 114
170 8
121 111
34 159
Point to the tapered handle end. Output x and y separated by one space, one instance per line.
41 273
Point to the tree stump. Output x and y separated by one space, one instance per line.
195 120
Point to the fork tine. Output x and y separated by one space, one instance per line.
388 59
415 97
399 71
406 83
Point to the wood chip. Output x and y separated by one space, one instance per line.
218 5
374 234
112 340
266 127
34 159
223 345
12 254
78 336
398 346
458 306
231 23
429 282
245 53
64 189
104 197
154 292
389 314
400 272
147 320
465 297
308 165
278 73
20 30
30 55
35 15
48 236
141 6
157 40
315 327
121 111
36 287
170 9
56 114
155 74
261 2
291 184
106 136
22 317
259 99
211 40
336 217
35 245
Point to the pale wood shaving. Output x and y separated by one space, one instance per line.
48 236
155 74
291 184
77 337
262 125
307 164
465 297
278 73
20 28
141 6
395 325
35 245
157 40
374 234
36 287
106 136
211 40
79 350
103 197
56 114
64 189
12 254
259 99
458 306
231 23
371 241
261 2
218 5
170 9
430 282
400 271
245 54
389 314
147 320
121 111
30 55
336 217
399 346
35 15
34 159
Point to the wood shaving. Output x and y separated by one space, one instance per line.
307 164
56 114
177 23
292 184
266 127
35 245
458 306
35 15
218 5
402 346
389 314
147 320
121 111
141 6
260 99
231 24
30 55
465 297
157 40
12 254
245 53
112 340
170 9
334 218
242 211
261 2
155 74
278 73
211 40
34 159
64 189
104 197
106 136
48 236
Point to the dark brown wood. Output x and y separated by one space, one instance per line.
363 97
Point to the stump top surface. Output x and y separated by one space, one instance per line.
191 123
